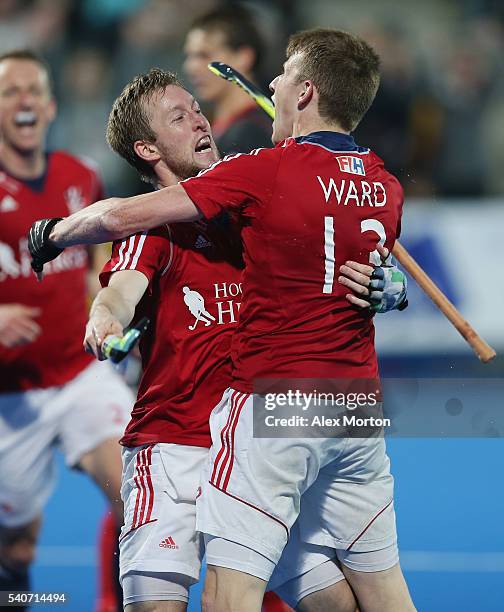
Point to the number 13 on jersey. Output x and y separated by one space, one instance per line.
329 247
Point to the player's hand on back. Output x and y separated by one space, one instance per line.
18 325
100 325
378 288
356 277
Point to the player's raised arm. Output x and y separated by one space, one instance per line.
108 220
120 217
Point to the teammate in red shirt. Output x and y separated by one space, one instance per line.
50 390
254 487
193 297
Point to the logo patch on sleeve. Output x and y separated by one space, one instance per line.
351 164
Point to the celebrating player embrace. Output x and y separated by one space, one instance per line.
310 204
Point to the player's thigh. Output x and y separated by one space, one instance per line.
166 592
160 551
350 506
337 597
17 544
98 404
251 487
104 465
28 428
310 575
229 590
381 591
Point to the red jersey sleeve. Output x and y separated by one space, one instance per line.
240 182
149 253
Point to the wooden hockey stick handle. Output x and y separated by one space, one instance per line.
484 351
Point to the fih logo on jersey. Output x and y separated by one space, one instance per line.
226 306
351 164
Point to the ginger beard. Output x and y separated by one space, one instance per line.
184 160
184 140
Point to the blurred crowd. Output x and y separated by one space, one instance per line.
438 120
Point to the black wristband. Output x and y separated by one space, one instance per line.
41 248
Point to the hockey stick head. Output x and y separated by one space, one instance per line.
116 348
233 76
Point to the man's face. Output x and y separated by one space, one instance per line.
201 48
286 89
26 104
184 139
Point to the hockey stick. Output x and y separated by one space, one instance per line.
233 76
483 350
116 348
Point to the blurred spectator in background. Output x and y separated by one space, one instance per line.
38 24
51 392
464 86
15 24
86 88
393 127
229 35
152 35
463 93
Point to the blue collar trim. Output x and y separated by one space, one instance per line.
336 142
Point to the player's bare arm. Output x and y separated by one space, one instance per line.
116 218
108 220
113 308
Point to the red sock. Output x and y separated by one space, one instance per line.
273 603
109 594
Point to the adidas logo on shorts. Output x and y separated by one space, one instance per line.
168 542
